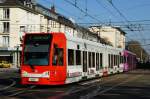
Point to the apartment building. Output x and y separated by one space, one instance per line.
113 34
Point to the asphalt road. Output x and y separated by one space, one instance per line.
130 85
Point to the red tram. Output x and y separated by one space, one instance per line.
58 58
44 59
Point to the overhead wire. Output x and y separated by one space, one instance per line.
83 11
128 24
109 11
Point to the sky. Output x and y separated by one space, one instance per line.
131 15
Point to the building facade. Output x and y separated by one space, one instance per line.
18 17
113 34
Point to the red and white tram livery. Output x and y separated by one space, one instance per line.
57 58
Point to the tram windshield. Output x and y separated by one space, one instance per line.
36 50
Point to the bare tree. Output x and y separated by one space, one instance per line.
135 47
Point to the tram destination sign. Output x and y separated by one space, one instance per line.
37 38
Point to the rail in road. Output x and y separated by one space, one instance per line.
133 84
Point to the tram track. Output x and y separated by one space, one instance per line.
11 90
88 91
20 91
90 84
98 91
84 90
9 86
16 92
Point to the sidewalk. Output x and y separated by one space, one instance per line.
9 69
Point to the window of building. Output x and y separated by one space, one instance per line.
6 41
6 13
48 29
6 27
41 28
70 57
22 29
28 3
53 24
78 57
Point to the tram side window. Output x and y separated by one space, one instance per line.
78 57
116 60
93 59
70 57
97 61
101 60
109 61
120 59
112 61
58 57
89 58
84 61
125 59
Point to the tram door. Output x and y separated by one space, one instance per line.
85 62
58 59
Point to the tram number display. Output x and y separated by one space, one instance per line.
34 79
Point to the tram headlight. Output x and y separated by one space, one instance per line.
46 74
24 74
